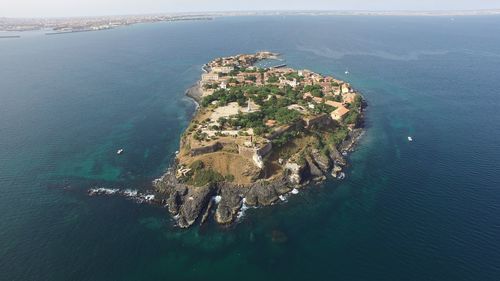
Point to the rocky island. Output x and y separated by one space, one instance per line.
258 134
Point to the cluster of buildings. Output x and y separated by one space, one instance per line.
224 73
221 74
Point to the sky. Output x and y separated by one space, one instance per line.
56 8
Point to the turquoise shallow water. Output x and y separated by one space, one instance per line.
426 210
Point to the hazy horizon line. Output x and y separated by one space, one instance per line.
434 12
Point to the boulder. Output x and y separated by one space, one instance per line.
295 172
313 169
195 201
251 198
261 194
323 161
229 205
336 170
173 203
223 214
282 188
336 156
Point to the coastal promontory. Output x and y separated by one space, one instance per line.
258 134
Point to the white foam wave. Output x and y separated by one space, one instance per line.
217 199
102 191
130 193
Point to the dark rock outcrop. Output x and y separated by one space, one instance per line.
322 161
295 171
336 156
259 194
229 205
194 202
173 203
314 171
190 203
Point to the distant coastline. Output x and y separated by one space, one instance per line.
68 24
9 36
85 24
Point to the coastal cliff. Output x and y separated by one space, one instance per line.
257 135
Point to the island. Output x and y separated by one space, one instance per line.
258 134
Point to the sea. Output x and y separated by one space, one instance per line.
422 210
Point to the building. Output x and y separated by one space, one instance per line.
222 69
315 99
334 103
209 77
293 83
307 95
349 98
345 88
339 113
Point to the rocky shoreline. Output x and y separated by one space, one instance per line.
225 200
195 93
235 155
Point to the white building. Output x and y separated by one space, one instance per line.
222 69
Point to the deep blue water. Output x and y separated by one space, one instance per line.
426 210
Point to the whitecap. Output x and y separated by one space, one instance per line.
241 212
217 199
130 193
243 209
102 191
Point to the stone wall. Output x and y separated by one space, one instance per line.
255 153
280 131
322 120
263 151
206 149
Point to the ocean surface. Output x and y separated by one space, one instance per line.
422 210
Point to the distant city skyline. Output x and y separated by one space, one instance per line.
71 8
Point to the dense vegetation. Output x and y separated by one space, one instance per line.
336 137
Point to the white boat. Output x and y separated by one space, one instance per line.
346 72
410 139
120 151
